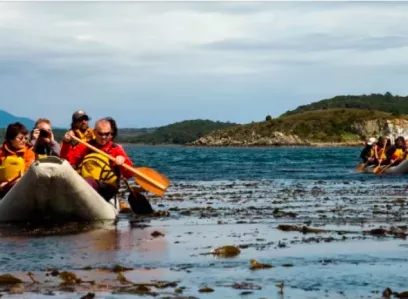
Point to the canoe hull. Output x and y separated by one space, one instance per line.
52 191
401 168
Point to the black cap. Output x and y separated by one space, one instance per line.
79 115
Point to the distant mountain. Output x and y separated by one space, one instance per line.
7 118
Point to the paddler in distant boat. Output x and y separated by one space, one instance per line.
101 173
380 149
367 154
397 152
406 147
16 156
80 128
42 139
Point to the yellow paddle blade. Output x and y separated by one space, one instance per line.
377 169
153 175
360 167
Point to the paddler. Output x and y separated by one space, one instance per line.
101 173
16 156
397 152
80 128
42 139
380 149
367 154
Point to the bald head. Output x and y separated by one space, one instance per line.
103 131
101 122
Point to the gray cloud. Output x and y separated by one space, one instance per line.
313 43
150 63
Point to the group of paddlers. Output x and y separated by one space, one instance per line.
381 152
21 148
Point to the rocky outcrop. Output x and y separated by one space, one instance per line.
367 129
275 139
362 130
374 128
396 127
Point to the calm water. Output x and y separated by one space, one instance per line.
212 164
222 196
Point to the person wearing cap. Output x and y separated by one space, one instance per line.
79 128
367 154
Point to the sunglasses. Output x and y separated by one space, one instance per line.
79 120
103 134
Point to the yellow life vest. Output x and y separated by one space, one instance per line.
381 153
398 153
86 136
11 168
97 167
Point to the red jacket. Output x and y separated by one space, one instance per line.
77 154
67 146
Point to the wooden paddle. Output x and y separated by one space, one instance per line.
12 181
145 177
361 167
389 165
137 201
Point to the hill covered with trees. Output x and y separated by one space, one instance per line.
386 102
342 119
179 132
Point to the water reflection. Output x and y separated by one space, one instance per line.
102 244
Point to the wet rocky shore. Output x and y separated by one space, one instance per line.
258 239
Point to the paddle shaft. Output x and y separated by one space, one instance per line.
129 188
379 164
11 181
135 171
389 165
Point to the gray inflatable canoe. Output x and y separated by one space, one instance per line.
401 168
51 190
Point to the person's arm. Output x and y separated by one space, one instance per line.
119 151
377 149
55 148
65 149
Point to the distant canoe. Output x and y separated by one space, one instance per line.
401 168
51 190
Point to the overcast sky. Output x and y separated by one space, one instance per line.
151 64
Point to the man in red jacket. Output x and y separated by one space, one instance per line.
101 173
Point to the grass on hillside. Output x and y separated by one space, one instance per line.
331 125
